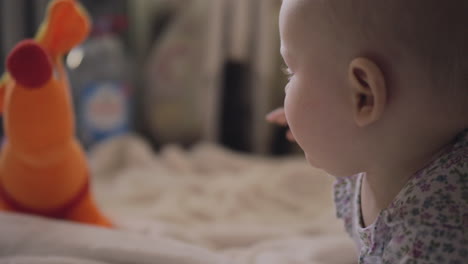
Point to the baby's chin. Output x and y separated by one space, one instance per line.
333 171
311 161
314 163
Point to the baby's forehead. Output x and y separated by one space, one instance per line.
303 21
301 14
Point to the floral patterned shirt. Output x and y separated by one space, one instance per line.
427 222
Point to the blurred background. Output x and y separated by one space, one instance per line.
188 84
173 71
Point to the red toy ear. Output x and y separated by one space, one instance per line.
29 64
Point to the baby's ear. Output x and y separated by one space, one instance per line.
368 91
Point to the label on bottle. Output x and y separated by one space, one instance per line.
103 111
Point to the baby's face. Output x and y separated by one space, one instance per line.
317 102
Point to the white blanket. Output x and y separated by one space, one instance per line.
209 204
26 239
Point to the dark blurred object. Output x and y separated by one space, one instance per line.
99 8
252 81
236 104
236 107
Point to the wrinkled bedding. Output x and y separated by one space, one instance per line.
203 205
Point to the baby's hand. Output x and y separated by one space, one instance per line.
278 117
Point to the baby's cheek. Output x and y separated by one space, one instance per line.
295 118
289 108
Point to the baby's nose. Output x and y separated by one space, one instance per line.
29 64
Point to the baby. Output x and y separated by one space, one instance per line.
378 89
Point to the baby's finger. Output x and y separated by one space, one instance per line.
277 116
290 136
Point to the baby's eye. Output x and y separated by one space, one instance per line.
287 71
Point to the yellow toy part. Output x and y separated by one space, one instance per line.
43 168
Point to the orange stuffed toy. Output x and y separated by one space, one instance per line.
43 169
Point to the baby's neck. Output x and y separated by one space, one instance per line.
378 192
382 183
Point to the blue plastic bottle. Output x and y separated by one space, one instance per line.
101 89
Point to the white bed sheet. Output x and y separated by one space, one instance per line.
206 205
27 239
